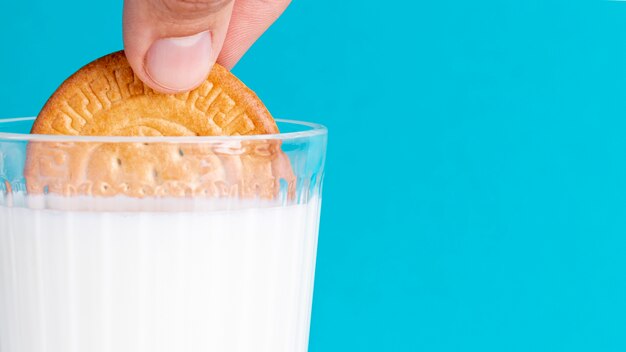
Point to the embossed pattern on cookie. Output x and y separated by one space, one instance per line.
105 98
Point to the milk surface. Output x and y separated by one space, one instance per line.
238 280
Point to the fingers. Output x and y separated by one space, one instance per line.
172 44
250 19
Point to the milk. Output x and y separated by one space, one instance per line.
151 281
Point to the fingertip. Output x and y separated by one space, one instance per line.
172 49
249 20
179 64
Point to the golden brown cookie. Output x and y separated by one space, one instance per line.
105 98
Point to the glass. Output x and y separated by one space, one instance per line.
158 243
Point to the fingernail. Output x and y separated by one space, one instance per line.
180 63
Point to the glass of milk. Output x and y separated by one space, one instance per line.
180 268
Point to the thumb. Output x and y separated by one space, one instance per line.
172 44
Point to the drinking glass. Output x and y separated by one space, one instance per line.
158 243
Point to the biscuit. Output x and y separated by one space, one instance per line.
105 98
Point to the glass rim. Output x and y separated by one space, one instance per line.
316 130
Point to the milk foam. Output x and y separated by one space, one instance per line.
77 281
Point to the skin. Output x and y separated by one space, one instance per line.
172 44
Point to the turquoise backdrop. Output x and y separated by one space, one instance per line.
475 197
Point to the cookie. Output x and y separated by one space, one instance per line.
105 98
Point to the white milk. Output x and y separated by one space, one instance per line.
218 281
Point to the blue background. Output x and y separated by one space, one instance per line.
475 197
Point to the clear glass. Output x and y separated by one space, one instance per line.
158 243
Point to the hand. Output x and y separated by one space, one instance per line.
172 44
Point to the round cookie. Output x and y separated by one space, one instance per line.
105 98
